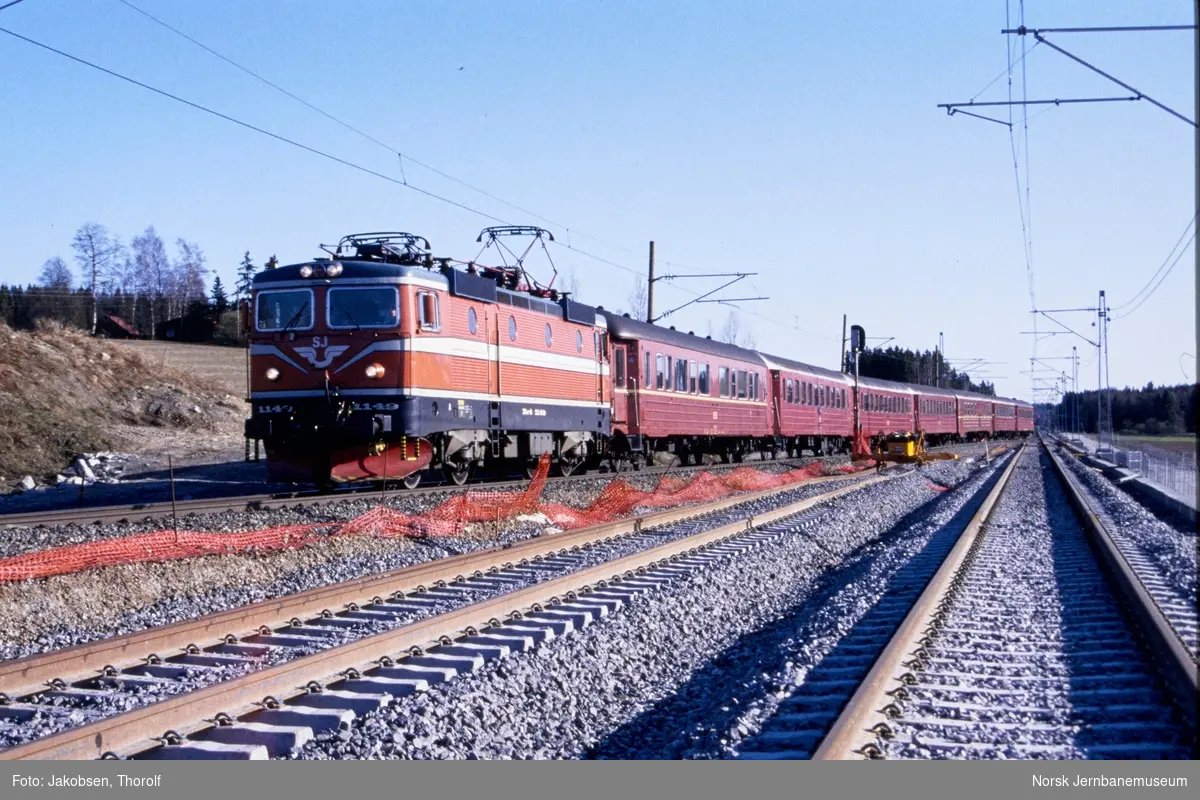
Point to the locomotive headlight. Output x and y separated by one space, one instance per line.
306 271
333 270
272 374
375 371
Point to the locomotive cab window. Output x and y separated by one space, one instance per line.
365 307
578 341
549 335
427 310
472 321
289 309
512 328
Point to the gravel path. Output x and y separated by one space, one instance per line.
1036 659
673 673
1164 557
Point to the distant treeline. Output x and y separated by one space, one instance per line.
1152 410
909 366
21 307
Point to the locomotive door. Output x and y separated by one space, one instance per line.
620 397
491 327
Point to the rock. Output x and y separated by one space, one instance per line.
75 480
28 483
58 479
105 357
195 409
84 470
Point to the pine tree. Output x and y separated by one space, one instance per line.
245 273
220 301
272 262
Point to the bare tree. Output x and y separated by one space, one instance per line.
639 300
571 283
732 333
99 257
56 274
153 274
189 272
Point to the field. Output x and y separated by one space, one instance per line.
222 366
1173 444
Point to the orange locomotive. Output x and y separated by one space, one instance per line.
380 362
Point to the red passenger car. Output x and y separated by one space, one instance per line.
811 407
886 407
974 416
1004 418
937 414
685 394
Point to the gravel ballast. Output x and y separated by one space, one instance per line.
59 612
684 671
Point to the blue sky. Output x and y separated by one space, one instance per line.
794 139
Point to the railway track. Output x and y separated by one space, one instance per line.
1034 638
142 512
259 681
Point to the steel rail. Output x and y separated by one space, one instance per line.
26 676
1176 665
139 512
853 734
141 729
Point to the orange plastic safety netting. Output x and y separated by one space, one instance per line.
619 498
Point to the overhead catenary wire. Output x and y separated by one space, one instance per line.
10 4
1161 267
403 156
351 164
1161 279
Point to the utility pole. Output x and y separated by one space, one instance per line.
842 354
650 288
1075 387
1100 371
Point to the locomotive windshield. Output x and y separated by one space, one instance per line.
365 307
285 310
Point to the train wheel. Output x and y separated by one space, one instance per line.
569 468
457 473
412 480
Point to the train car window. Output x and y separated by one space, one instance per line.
741 384
658 371
669 374
681 375
512 328
723 381
291 309
472 321
646 371
704 388
693 376
373 307
788 391
619 366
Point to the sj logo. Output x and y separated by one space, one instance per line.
331 352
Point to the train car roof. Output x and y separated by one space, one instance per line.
351 270
776 362
623 327
892 386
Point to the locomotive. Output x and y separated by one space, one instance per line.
380 362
